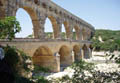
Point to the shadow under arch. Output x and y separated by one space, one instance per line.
85 52
34 18
77 52
43 56
65 56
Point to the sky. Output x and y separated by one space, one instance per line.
102 14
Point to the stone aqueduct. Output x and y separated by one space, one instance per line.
54 52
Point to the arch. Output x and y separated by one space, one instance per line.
77 53
54 25
65 56
26 24
77 30
43 56
67 29
43 51
35 21
85 52
74 34
63 31
48 29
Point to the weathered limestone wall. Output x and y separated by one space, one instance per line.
39 10
47 61
31 45
48 55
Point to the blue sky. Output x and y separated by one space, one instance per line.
102 14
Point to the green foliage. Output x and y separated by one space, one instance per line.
9 27
16 59
117 59
111 40
74 35
64 79
24 57
50 35
85 73
79 75
20 79
41 79
30 36
82 65
63 35
38 69
12 58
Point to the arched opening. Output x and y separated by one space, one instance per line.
77 53
49 29
28 22
43 51
52 28
25 23
74 34
76 28
67 29
65 56
85 52
63 32
43 56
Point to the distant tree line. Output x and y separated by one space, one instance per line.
110 40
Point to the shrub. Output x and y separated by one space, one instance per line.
38 69
20 79
41 79
111 40
85 73
12 58
16 60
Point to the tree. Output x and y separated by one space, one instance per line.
9 27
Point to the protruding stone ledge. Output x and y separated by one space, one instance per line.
42 40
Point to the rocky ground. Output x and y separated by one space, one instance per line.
100 60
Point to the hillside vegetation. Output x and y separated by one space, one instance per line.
103 40
106 40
